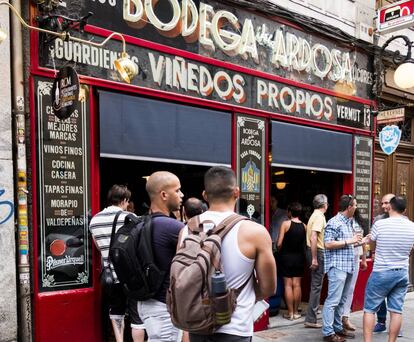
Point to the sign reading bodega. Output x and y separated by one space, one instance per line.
223 30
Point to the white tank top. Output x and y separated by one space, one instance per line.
237 269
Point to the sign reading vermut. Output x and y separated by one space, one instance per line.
184 76
395 16
228 33
65 91
64 247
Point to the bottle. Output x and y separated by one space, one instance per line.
220 298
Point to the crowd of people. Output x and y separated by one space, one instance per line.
336 248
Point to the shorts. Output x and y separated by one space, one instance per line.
218 337
118 305
157 321
391 284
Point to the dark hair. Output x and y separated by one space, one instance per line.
398 204
345 201
219 183
295 208
192 207
361 221
117 194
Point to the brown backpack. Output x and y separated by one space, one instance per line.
189 299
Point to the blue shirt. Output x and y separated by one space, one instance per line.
165 231
339 228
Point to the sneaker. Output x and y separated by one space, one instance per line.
400 334
379 327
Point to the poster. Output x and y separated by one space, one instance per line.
251 154
64 246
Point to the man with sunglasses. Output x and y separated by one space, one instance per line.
339 242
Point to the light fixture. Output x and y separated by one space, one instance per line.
279 173
126 68
146 177
404 75
280 185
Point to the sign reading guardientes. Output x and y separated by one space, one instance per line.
232 34
187 77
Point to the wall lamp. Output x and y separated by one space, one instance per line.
126 68
403 75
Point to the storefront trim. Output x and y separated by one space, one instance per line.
160 160
311 168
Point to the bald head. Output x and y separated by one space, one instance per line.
164 191
385 202
192 207
160 181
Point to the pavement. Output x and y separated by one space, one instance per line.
283 330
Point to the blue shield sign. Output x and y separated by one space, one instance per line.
389 138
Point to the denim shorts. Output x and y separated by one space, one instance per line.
391 284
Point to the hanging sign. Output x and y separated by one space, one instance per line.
389 138
65 92
391 115
396 16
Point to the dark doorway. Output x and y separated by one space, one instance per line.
294 185
132 173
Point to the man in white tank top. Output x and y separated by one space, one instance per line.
245 248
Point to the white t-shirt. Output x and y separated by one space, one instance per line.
394 239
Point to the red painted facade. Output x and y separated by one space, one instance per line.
75 315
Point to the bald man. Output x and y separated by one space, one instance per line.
164 190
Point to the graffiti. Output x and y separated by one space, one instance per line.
6 209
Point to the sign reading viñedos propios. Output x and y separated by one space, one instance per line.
65 92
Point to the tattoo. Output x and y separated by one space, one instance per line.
118 323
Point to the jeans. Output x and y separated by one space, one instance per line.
350 294
391 284
339 282
157 321
316 286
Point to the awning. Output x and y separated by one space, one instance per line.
138 128
302 147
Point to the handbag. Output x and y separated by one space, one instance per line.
106 278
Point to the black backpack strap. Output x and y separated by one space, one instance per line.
227 224
113 233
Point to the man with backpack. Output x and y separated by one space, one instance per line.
101 229
164 191
246 248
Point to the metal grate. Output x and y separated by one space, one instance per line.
404 126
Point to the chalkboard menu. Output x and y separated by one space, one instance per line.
251 154
363 174
64 247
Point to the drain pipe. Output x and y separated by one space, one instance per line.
23 268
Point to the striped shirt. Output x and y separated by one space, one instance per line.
101 229
394 239
339 228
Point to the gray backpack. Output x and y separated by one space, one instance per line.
189 299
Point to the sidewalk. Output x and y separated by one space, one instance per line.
282 330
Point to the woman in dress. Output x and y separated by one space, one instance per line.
291 246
